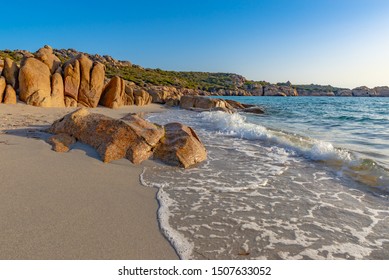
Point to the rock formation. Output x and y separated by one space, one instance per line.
83 82
181 146
61 142
114 93
10 72
131 137
3 84
10 95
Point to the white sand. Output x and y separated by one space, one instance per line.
71 205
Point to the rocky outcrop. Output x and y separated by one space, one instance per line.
114 93
3 84
274 90
253 110
10 72
181 146
141 97
382 91
91 82
205 103
47 56
71 76
10 95
131 137
61 142
83 82
35 83
363 92
113 139
161 94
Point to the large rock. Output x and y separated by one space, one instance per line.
3 84
200 102
10 95
1 66
161 94
114 94
141 97
57 91
71 82
35 83
47 56
275 90
363 92
10 72
129 93
181 146
61 142
382 91
133 138
91 82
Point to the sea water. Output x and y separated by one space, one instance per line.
306 180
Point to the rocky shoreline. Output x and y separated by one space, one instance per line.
68 78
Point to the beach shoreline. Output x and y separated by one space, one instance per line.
72 205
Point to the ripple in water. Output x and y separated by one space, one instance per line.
255 200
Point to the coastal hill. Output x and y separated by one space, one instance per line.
88 80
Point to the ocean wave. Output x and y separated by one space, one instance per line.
344 161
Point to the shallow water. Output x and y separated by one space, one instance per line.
269 193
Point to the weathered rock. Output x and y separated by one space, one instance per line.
10 95
188 102
114 94
1 66
274 90
47 56
160 94
172 102
35 83
72 76
181 146
363 92
91 82
129 96
10 72
235 104
141 97
382 91
113 139
148 135
61 142
3 84
253 110
57 91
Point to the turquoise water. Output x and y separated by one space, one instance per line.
360 125
306 180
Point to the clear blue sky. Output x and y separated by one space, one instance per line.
343 43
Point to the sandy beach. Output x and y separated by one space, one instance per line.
71 205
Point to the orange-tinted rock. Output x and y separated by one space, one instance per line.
10 72
57 91
35 83
47 56
114 94
204 103
181 146
10 95
61 142
113 139
71 82
141 97
3 84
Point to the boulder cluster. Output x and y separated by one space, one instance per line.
43 80
131 137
